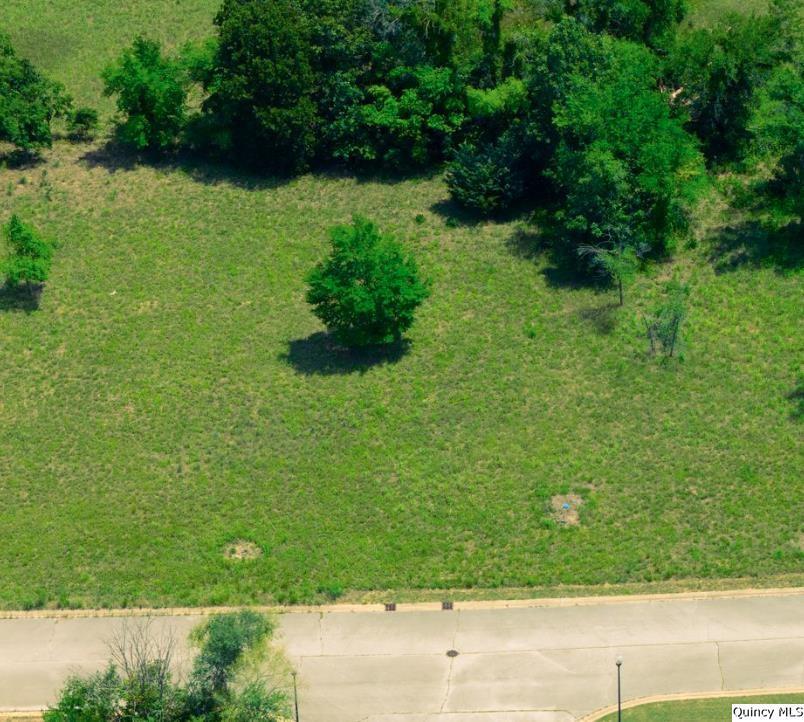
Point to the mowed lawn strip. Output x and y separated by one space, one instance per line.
173 394
700 710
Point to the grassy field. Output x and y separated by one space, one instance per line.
699 710
173 393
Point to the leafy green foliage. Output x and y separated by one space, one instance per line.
717 71
151 96
489 178
366 292
491 112
260 107
256 703
777 125
223 639
408 123
82 123
138 685
627 169
379 84
92 699
28 101
29 256
618 261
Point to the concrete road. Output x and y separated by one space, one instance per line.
539 663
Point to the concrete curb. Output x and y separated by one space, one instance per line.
30 714
682 697
402 607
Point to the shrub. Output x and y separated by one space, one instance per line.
487 179
29 256
491 112
223 639
28 101
506 100
92 699
82 123
138 687
256 703
367 291
151 94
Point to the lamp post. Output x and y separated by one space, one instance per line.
619 663
295 696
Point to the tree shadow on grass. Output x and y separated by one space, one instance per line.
602 318
563 269
796 397
115 158
758 245
20 298
454 214
383 177
528 243
17 159
320 355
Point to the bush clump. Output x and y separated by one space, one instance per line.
138 684
28 101
487 179
151 95
29 255
82 123
368 289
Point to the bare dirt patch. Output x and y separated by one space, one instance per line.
241 549
565 508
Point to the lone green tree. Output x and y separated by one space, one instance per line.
29 255
151 95
368 289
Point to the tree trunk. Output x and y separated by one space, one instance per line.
673 338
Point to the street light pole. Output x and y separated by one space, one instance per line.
619 663
295 697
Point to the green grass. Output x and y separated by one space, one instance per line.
173 393
706 12
73 40
699 710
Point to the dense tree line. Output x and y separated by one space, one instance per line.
606 113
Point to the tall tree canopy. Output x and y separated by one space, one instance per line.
261 88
